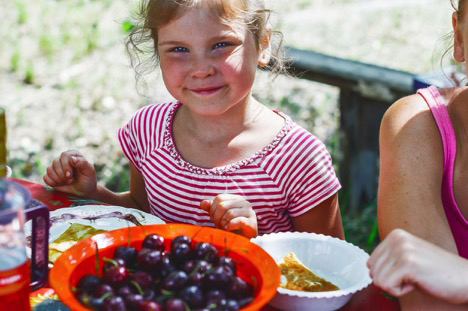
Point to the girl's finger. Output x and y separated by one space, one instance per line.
84 167
224 207
234 213
206 205
49 181
243 224
54 177
58 171
66 168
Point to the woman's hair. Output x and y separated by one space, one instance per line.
459 8
141 43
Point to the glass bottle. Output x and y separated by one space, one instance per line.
17 276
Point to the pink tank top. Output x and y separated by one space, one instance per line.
458 223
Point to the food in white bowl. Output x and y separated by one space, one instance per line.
332 259
296 276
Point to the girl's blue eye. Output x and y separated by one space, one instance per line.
179 49
221 45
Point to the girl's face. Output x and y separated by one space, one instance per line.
207 66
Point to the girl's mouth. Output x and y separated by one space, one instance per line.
207 90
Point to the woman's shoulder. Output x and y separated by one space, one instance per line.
408 118
410 143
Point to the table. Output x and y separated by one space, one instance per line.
369 299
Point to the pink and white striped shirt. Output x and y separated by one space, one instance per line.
285 179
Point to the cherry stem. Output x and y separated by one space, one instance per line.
97 265
167 292
112 261
137 286
106 295
129 235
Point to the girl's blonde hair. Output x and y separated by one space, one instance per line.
141 43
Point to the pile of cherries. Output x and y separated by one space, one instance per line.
154 278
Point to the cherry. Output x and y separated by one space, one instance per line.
205 251
143 279
215 294
114 303
175 281
113 262
180 254
166 266
175 304
181 239
88 283
103 289
193 296
126 290
218 278
133 301
128 254
150 306
227 262
238 288
116 275
154 241
198 265
149 259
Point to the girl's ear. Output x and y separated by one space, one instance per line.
458 50
265 47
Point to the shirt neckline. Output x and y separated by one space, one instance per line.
219 170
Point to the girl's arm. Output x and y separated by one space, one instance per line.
411 167
72 173
135 198
324 218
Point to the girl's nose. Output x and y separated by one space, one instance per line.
202 67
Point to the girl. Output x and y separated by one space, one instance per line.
216 156
423 175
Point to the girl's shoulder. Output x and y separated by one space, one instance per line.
162 109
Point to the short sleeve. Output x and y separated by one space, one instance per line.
315 183
128 138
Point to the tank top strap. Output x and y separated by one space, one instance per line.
439 110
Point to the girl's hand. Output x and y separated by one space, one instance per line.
72 173
403 261
232 212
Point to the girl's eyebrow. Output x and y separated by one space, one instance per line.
171 43
223 37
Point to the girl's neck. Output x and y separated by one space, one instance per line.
219 128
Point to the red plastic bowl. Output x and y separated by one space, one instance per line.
254 265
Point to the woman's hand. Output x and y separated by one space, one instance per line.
232 213
72 173
403 261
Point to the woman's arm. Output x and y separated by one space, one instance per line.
324 218
403 262
411 167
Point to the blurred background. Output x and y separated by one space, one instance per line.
65 79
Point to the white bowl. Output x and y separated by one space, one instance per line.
335 260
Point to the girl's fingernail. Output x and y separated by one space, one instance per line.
74 159
68 174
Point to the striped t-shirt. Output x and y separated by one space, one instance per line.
285 179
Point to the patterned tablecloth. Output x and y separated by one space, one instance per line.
369 299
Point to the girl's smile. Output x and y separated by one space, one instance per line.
206 91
